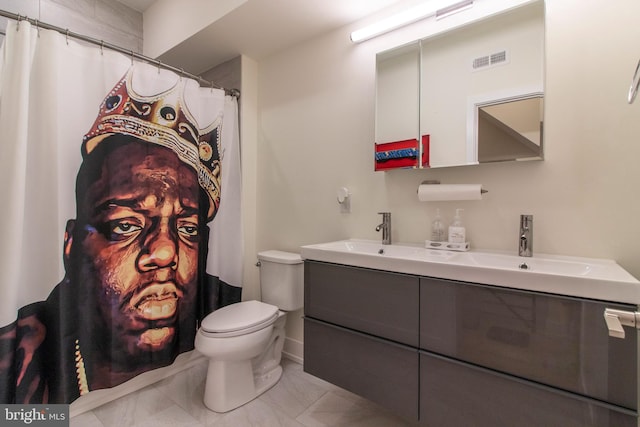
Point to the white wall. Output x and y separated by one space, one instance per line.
249 159
106 20
316 133
169 22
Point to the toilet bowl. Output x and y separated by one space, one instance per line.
244 341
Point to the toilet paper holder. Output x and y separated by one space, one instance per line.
436 182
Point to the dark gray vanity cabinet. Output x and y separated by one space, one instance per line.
511 357
455 393
361 333
452 353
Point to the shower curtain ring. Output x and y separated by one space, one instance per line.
101 47
67 36
159 66
37 28
18 25
131 57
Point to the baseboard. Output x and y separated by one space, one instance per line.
293 350
96 398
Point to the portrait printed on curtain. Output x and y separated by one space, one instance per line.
135 284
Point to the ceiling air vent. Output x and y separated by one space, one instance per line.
490 60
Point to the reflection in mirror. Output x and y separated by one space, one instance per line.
398 94
510 130
495 58
397 108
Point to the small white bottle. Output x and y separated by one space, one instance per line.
437 228
457 232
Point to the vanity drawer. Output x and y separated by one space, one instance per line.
379 303
550 339
384 372
456 394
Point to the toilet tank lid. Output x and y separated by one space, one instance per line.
239 316
280 256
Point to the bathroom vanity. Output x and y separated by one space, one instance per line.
398 325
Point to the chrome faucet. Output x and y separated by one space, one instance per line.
525 247
385 227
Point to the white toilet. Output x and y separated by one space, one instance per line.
244 341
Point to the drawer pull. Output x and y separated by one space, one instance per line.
615 319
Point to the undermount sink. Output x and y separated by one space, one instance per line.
535 264
369 247
584 277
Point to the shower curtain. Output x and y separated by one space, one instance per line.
120 186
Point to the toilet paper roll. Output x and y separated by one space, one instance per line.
442 192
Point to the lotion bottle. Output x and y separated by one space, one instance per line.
457 232
437 228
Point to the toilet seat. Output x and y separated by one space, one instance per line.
239 319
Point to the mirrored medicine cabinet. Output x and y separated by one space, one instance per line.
473 94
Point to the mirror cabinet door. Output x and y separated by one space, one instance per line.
397 108
480 94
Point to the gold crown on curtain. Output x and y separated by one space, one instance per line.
161 119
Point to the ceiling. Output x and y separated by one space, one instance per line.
259 28
139 5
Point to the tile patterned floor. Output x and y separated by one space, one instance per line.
298 399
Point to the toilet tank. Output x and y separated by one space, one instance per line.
282 279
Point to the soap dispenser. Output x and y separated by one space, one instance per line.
437 228
457 232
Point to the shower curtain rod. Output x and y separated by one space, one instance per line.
103 44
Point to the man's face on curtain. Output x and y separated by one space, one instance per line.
140 246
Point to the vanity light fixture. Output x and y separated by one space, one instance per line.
438 8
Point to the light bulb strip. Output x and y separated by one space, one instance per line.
440 9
